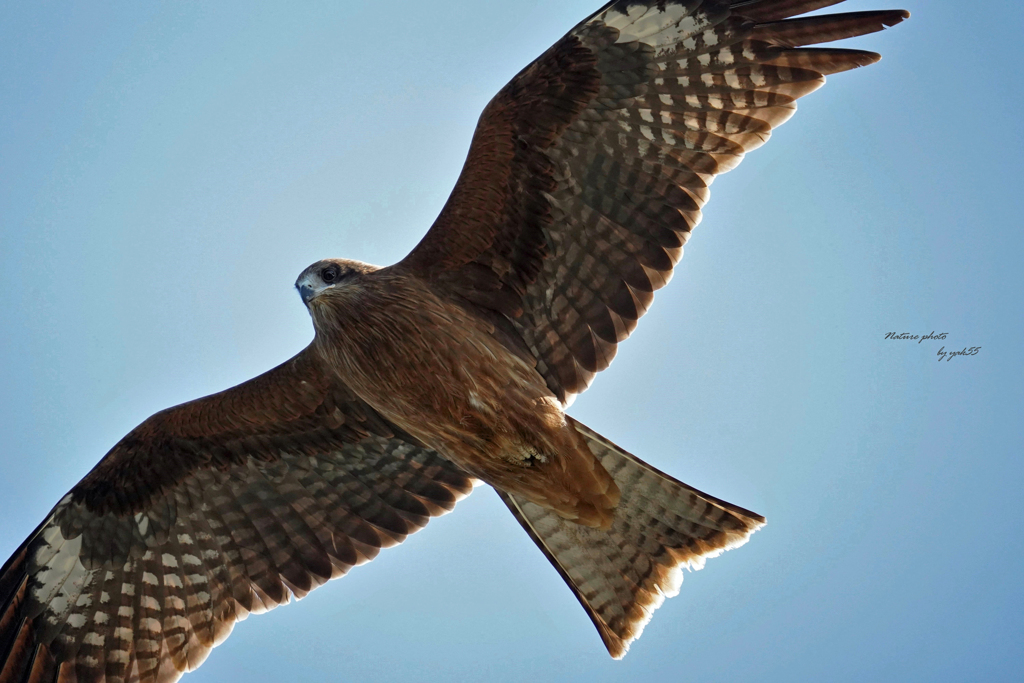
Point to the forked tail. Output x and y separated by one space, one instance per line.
661 525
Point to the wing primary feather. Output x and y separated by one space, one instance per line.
773 10
826 28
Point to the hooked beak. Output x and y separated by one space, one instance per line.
307 292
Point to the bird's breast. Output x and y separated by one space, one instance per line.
435 370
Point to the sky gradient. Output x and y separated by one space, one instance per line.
168 169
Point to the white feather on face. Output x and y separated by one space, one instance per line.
329 274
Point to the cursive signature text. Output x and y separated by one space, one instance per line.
950 355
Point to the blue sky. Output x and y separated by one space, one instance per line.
168 169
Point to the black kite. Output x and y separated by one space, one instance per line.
586 174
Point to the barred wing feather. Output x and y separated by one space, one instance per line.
588 171
208 512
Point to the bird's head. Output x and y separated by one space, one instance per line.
331 278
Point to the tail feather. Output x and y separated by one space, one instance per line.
623 574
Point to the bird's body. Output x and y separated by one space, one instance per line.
586 175
437 371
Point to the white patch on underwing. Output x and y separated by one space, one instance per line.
56 569
142 521
51 535
60 580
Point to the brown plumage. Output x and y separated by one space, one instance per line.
586 174
436 370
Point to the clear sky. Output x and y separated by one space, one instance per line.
167 169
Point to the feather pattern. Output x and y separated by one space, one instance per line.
589 170
138 583
662 526
585 177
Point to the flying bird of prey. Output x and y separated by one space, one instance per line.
586 174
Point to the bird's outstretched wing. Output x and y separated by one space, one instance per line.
204 513
588 171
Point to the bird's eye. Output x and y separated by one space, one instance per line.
329 274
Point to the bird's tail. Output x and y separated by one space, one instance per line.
621 575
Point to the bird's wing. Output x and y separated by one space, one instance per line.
204 513
588 171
